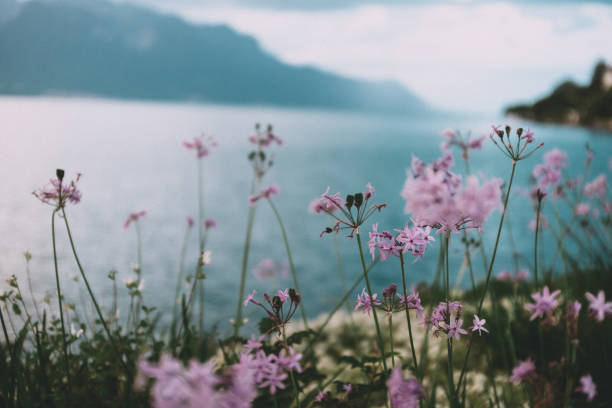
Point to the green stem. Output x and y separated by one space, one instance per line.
469 259
61 310
488 277
535 245
381 343
449 341
181 272
391 339
289 257
414 359
93 298
245 260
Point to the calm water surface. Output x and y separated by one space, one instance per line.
131 158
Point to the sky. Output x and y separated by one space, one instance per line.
457 55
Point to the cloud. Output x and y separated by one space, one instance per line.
468 55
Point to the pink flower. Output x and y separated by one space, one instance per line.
412 302
556 158
525 370
189 220
518 276
290 361
57 194
347 389
364 302
545 303
265 269
283 294
327 203
267 192
254 343
528 136
479 325
582 209
210 223
133 217
598 305
202 145
454 329
597 188
264 138
251 298
403 393
587 387
434 197
546 175
320 396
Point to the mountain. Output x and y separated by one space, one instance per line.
118 50
573 104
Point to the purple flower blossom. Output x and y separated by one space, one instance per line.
347 389
451 324
597 188
265 269
327 203
587 387
320 396
189 220
545 303
454 329
202 145
479 325
403 393
268 192
518 275
434 197
412 302
290 361
525 370
57 193
283 295
265 138
210 223
556 158
364 302
133 217
251 298
598 305
582 209
254 343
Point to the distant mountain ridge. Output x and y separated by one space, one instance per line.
123 51
572 104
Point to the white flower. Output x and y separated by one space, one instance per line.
206 257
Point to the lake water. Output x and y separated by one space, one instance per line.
131 158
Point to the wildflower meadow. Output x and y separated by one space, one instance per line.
538 334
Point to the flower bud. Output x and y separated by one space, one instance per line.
60 174
358 199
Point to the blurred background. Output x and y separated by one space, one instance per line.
355 88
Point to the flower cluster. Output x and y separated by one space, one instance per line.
587 387
197 385
261 139
275 306
57 193
267 192
267 269
454 138
357 202
597 188
202 145
519 275
391 302
134 217
270 370
365 303
434 196
515 150
413 240
446 318
403 393
524 371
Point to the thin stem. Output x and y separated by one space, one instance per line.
93 297
289 257
469 259
245 261
391 339
381 343
449 341
535 245
181 271
414 359
30 289
484 292
61 310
